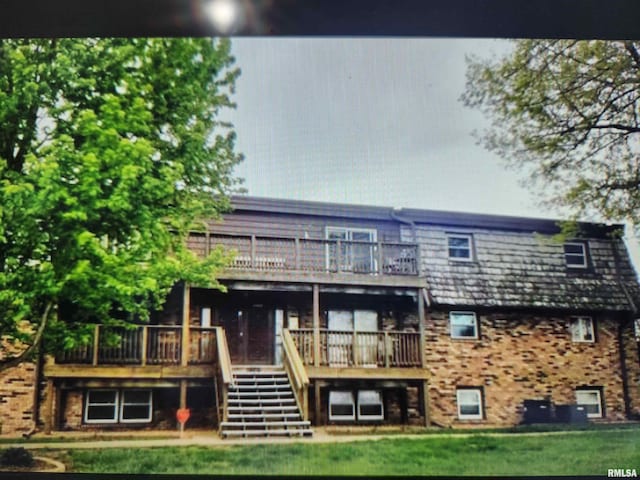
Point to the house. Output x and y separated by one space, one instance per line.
344 314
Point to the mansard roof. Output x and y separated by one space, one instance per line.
516 263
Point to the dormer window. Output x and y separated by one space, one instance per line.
575 255
460 247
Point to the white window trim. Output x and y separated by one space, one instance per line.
88 404
466 236
599 403
123 404
463 416
380 403
584 255
352 403
461 312
117 407
580 337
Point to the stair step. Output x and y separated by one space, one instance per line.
289 408
267 433
257 401
263 415
264 393
261 386
298 423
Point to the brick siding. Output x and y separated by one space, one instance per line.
520 357
16 398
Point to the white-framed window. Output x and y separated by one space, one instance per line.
575 255
582 329
469 402
135 406
591 399
370 405
118 406
357 250
341 405
463 324
101 406
636 328
460 247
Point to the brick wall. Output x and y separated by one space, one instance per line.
16 398
519 357
632 361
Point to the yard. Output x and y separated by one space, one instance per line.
572 453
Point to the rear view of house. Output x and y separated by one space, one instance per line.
343 314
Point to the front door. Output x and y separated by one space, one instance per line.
251 339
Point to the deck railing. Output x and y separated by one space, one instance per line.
359 349
312 255
144 345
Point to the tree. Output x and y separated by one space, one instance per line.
566 112
111 150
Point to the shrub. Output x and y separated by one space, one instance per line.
16 457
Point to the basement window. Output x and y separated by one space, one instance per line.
118 406
370 405
582 329
341 405
101 406
591 399
135 406
469 403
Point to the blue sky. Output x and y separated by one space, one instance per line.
374 121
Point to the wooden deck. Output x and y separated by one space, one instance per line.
315 260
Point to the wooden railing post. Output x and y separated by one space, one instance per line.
379 268
145 341
186 301
253 251
316 325
387 354
96 344
338 256
297 253
354 348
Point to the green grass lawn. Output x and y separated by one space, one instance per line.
585 453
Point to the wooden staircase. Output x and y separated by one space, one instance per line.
261 403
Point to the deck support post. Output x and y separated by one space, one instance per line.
183 394
425 402
145 342
421 320
184 358
316 325
316 403
48 421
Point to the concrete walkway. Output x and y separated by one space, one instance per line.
211 439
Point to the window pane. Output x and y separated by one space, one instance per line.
574 248
340 397
135 396
587 397
341 410
369 396
468 397
102 396
459 242
463 331
574 259
469 409
371 410
101 412
136 412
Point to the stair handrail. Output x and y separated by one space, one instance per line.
296 372
223 368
